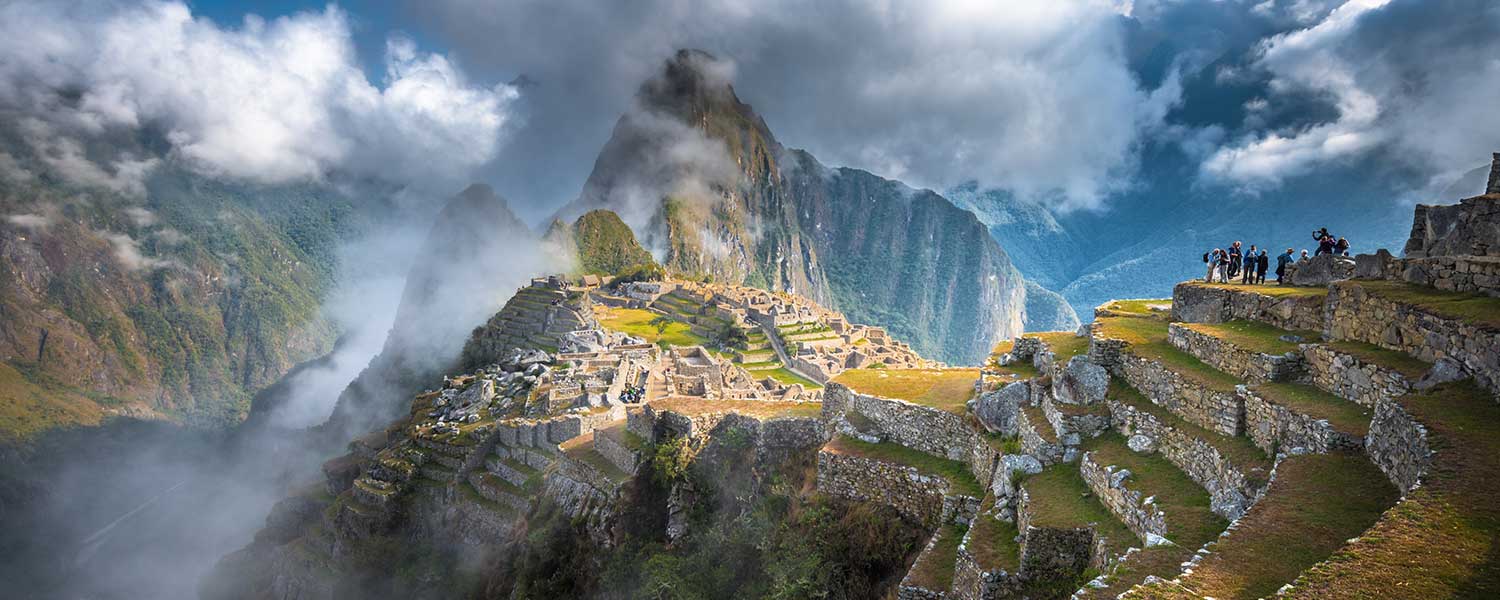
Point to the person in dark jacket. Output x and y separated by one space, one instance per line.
1247 276
1234 259
1341 247
1223 270
1281 263
1262 262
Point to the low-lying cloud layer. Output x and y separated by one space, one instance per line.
267 101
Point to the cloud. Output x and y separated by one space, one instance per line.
1415 79
267 101
29 221
1034 97
128 251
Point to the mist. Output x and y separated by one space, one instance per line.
101 95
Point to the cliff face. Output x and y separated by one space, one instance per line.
699 175
177 306
474 257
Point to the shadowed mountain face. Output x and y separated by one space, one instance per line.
474 257
711 192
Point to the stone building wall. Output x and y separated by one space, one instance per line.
1192 303
1274 429
930 430
1137 511
916 496
1356 315
1466 228
1397 444
1231 490
1217 410
1250 367
1349 378
1106 352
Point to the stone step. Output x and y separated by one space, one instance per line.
1039 439
1075 423
1232 468
495 489
374 492
1064 529
1247 350
1299 418
436 472
931 575
1158 502
1169 377
509 470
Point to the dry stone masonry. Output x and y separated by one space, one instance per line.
1250 367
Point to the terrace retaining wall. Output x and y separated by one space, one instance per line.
1276 429
1192 303
1137 511
1397 444
1222 411
1250 367
1231 490
1349 378
1354 314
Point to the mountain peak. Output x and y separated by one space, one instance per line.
692 81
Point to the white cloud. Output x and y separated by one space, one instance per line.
269 101
29 221
1036 97
1416 79
128 251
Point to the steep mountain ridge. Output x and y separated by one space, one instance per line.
701 178
179 305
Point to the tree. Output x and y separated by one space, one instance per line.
661 323
729 337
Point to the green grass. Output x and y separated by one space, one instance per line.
1004 444
1254 336
1060 499
1190 523
1268 289
955 472
1148 339
1063 344
1342 414
993 543
944 389
934 569
1470 308
1439 542
1405 364
1239 450
785 375
637 322
1140 308
1316 503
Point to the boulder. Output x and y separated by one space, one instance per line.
1321 270
1443 371
1142 444
1375 266
997 410
1082 382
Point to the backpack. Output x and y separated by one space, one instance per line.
1205 257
